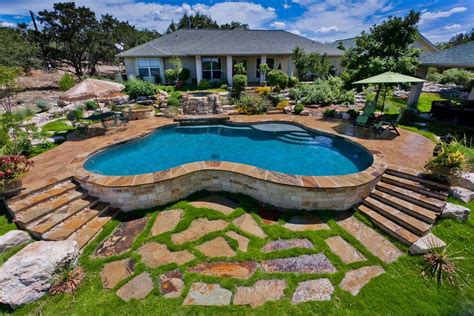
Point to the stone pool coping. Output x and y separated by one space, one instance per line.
316 182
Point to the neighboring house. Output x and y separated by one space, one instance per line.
211 54
420 42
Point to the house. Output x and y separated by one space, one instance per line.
211 54
421 42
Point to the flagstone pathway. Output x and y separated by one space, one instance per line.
181 257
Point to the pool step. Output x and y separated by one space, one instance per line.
61 211
404 205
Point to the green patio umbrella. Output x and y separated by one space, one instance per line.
387 78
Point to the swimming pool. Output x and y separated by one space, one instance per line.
278 147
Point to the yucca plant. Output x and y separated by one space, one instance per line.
441 264
67 279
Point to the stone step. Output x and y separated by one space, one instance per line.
47 206
87 232
408 222
416 178
47 222
68 227
414 186
391 228
412 197
414 210
32 199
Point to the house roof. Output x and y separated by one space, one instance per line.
461 56
191 42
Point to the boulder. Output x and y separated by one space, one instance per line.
13 239
304 113
345 116
466 181
461 194
27 275
454 211
425 244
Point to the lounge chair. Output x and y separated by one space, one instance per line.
385 125
363 119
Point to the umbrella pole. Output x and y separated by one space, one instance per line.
377 94
384 96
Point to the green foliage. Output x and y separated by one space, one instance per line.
449 163
310 66
253 104
277 78
323 92
177 67
8 87
174 99
66 82
185 74
441 265
282 104
239 69
457 39
264 69
387 47
224 86
91 105
202 21
16 50
292 81
238 86
14 136
329 113
458 76
204 85
135 88
169 76
299 107
276 98
57 126
42 105
352 113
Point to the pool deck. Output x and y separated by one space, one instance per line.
409 150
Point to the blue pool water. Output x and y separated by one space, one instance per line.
273 146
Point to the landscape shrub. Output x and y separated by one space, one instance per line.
204 85
239 84
277 78
136 87
42 105
174 99
239 69
224 86
15 136
13 168
457 76
91 105
292 81
185 74
282 104
252 104
265 91
218 83
329 113
352 113
449 163
276 98
170 76
66 82
299 107
323 92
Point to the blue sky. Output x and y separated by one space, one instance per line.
322 20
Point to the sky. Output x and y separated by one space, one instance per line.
321 20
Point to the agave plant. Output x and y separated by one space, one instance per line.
67 279
441 264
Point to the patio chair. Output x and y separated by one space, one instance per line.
363 119
384 125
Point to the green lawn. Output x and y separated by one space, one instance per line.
57 126
400 291
393 104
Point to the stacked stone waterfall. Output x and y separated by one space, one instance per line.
208 104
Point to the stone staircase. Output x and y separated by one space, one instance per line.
404 205
61 211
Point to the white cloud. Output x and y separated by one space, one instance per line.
452 27
286 6
278 25
427 15
328 29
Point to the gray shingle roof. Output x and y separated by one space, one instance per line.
228 42
457 56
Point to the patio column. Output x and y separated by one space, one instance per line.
162 70
263 60
229 70
415 89
198 69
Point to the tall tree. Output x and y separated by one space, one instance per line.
310 66
457 39
202 21
234 25
16 50
386 47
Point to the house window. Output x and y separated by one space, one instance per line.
270 63
211 68
148 68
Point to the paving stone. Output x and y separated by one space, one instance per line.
317 263
355 280
155 255
166 221
218 203
172 284
248 224
300 223
240 270
313 290
198 228
114 272
122 239
287 244
344 250
217 247
372 240
137 288
207 295
241 240
260 293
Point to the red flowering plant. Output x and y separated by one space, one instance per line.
12 168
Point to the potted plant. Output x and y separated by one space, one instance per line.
12 169
449 162
264 69
177 68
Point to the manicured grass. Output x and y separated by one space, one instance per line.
394 104
57 126
400 291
